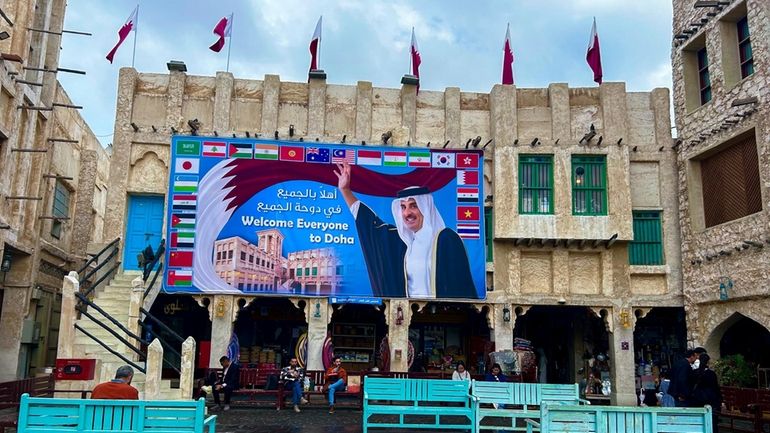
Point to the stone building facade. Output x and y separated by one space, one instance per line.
555 260
53 171
721 71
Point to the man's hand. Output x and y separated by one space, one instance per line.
343 183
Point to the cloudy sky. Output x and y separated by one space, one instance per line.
461 42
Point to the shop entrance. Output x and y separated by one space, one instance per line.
444 334
357 333
660 338
270 332
183 315
570 343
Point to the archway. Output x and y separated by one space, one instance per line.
268 331
742 335
443 334
357 331
183 315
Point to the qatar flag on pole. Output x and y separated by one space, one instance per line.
507 58
315 45
127 28
594 56
416 60
222 29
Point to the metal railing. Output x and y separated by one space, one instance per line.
84 275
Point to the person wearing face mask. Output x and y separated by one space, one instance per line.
418 257
706 389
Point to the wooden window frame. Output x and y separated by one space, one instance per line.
532 187
744 46
647 247
585 184
704 79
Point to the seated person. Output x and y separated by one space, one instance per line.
292 377
336 380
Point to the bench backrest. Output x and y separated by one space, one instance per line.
44 415
416 390
620 419
524 393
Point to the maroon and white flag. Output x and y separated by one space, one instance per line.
507 58
416 60
223 30
315 45
127 28
594 56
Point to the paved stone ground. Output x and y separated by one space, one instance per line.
311 420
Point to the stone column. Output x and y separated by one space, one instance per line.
503 119
221 327
622 358
409 111
84 202
316 108
452 116
222 100
614 111
115 211
398 333
67 317
363 110
502 330
188 369
558 98
134 304
318 315
154 366
271 90
175 100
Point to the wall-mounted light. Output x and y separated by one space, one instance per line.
506 314
579 173
317 312
220 310
5 266
625 318
399 316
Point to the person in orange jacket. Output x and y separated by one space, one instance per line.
336 380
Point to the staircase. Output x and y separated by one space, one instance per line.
114 300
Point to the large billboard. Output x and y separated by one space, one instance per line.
264 217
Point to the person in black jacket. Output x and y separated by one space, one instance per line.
706 389
228 384
681 381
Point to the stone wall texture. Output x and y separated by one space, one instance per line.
719 253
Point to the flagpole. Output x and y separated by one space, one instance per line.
230 45
136 30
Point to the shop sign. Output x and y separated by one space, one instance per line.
354 300
265 217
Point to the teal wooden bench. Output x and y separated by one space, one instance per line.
62 415
520 400
426 402
623 419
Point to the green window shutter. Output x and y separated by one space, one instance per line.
315 271
299 272
61 207
489 232
536 184
589 185
647 246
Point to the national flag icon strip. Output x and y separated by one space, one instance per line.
183 220
466 177
468 213
179 277
343 155
467 160
187 165
443 159
395 159
182 239
369 157
215 149
317 154
180 259
419 159
292 153
468 195
185 184
188 147
265 151
184 199
240 150
469 230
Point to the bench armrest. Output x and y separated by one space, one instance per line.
584 401
532 422
211 423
